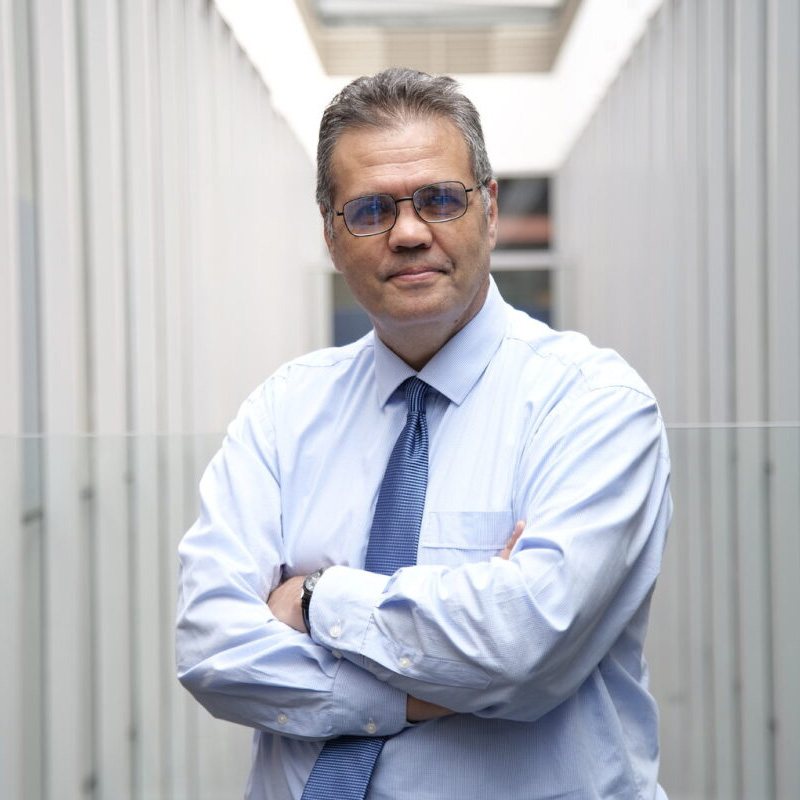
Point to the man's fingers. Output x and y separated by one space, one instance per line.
284 603
420 710
506 551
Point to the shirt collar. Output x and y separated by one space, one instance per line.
455 369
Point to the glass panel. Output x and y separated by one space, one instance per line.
524 207
88 566
528 290
350 321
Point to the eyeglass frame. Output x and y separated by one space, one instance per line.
403 199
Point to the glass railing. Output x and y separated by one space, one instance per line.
724 640
89 576
88 559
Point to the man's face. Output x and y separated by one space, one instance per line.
418 281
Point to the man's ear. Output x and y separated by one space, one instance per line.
492 217
328 238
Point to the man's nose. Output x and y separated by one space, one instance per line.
409 230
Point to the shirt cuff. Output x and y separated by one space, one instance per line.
341 607
372 708
340 612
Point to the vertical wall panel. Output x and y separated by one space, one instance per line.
57 118
12 675
783 356
171 326
689 298
697 237
11 539
196 62
142 207
749 163
661 306
718 210
104 192
202 103
66 693
172 221
30 602
141 160
717 253
10 344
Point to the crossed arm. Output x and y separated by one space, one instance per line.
284 602
509 638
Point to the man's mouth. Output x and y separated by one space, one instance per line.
418 272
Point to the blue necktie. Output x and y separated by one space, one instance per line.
344 766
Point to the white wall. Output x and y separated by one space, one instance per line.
160 255
678 232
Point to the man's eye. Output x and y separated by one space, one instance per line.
369 209
441 203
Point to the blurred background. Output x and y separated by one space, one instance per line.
161 254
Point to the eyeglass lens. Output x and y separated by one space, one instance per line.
376 213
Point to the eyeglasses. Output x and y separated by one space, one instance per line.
377 213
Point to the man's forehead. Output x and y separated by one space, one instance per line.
361 149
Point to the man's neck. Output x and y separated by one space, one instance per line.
415 357
417 342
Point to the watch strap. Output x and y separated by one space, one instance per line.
305 599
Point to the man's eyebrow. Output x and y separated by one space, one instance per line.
370 193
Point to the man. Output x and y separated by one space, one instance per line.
485 666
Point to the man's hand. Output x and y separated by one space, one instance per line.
420 710
284 603
505 553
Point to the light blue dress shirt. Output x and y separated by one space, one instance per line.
540 655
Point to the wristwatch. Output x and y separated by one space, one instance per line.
308 589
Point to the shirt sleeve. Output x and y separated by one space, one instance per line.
513 639
238 660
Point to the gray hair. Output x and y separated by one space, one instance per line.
392 97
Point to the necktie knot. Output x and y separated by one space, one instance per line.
415 394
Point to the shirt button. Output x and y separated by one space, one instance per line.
405 662
335 631
336 653
371 727
283 718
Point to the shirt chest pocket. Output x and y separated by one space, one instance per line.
451 538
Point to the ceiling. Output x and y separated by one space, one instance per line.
356 37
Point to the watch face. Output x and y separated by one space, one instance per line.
311 580
305 600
